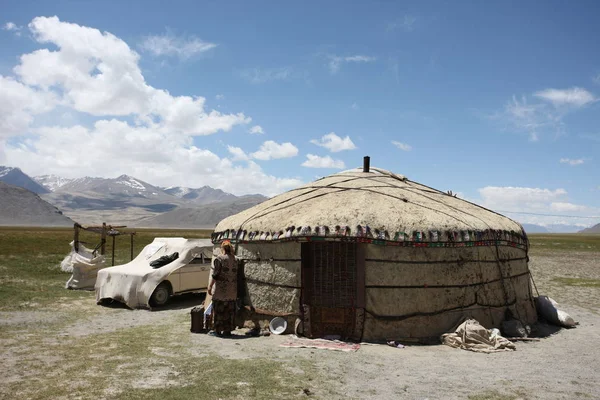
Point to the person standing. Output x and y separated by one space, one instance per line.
224 280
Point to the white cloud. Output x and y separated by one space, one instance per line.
545 115
99 74
220 97
313 161
237 153
20 104
406 24
12 27
359 58
159 158
533 119
567 207
576 97
138 129
402 146
596 79
537 206
257 130
507 198
569 161
264 75
9 26
334 143
335 62
272 150
170 45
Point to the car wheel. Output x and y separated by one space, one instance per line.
161 295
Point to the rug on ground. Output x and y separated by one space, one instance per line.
295 341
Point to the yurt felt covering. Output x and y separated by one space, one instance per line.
427 259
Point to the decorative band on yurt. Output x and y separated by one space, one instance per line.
364 234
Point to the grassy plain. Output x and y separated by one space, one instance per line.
543 242
59 344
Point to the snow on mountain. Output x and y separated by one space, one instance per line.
16 177
131 182
5 170
203 195
111 192
177 191
51 182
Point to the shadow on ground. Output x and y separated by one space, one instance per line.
180 302
543 329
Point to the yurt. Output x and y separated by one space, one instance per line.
370 255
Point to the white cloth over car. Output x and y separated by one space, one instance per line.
133 283
84 266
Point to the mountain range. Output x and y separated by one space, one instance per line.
131 201
552 228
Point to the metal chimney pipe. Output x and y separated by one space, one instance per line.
366 162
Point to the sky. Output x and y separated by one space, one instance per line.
497 101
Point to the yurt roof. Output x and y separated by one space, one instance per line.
376 204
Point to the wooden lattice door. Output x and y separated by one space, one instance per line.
333 289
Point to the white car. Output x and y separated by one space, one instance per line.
140 285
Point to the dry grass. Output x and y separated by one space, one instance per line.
138 363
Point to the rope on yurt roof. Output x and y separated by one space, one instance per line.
289 205
270 209
384 173
390 174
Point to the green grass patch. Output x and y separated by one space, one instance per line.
581 282
544 242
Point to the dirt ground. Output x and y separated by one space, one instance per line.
110 352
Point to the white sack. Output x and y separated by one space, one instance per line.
548 309
84 267
67 263
470 335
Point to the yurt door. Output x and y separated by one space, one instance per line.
333 289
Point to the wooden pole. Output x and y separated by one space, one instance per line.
113 251
132 245
76 237
103 239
